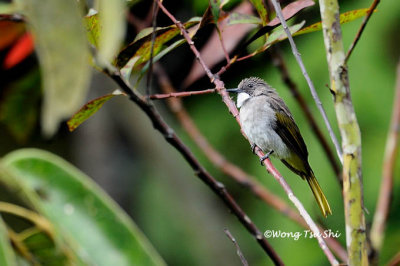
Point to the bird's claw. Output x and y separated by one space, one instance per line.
266 156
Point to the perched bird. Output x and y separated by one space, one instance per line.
268 123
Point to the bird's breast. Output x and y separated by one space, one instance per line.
258 121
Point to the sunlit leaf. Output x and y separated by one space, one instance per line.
112 28
215 9
93 225
344 18
237 18
63 54
280 34
93 29
7 255
261 10
139 50
88 110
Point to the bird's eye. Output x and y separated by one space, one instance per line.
250 85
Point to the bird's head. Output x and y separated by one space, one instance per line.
251 87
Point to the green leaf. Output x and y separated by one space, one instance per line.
112 28
7 255
139 49
63 55
237 18
88 110
215 10
19 105
261 10
344 18
95 227
93 29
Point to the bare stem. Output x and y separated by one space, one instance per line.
232 108
180 94
350 133
386 190
308 79
361 30
238 251
217 187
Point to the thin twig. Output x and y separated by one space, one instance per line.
269 166
230 169
360 31
40 222
180 94
280 64
395 261
153 38
308 79
238 251
218 188
386 190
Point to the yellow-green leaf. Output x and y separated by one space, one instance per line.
261 10
139 49
344 18
88 110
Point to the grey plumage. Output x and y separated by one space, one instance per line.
268 123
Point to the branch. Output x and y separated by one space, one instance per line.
280 64
361 30
231 170
350 132
386 190
218 188
395 261
180 94
307 77
269 166
238 251
153 38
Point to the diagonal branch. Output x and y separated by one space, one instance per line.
218 188
230 169
269 166
361 30
386 190
308 79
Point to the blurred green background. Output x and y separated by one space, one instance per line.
182 218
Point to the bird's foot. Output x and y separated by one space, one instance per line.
253 148
266 156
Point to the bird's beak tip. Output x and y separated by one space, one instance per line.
235 90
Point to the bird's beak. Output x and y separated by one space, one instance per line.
235 90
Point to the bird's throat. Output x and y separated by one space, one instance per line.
242 97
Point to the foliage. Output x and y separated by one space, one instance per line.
84 226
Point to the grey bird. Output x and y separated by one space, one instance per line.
268 123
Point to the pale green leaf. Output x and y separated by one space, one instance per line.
112 28
7 255
63 53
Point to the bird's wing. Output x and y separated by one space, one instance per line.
287 129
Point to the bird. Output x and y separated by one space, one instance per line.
269 125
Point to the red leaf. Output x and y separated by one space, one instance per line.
20 50
291 9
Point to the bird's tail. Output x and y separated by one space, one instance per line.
319 195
